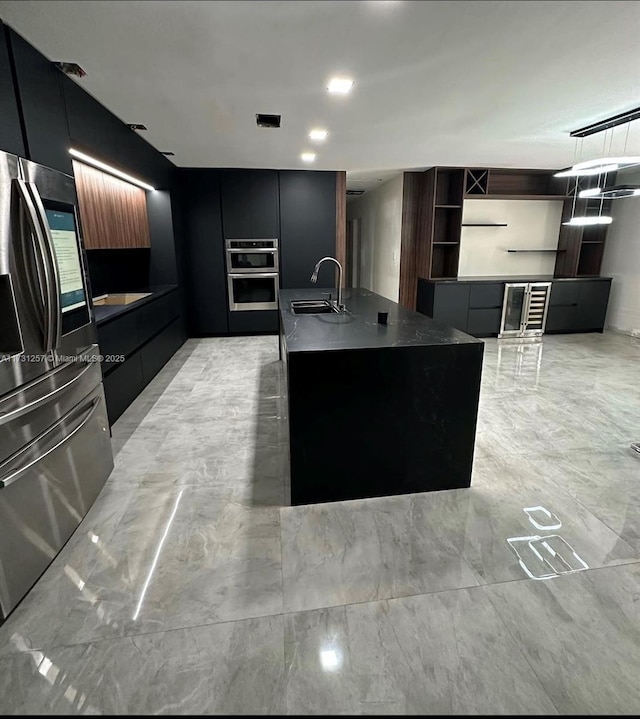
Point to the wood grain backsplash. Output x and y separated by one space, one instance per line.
113 212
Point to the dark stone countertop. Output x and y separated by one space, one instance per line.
523 278
106 313
359 328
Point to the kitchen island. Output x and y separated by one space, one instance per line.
376 409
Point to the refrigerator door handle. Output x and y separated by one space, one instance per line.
43 260
30 406
15 475
56 307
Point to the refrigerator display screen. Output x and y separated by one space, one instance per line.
65 245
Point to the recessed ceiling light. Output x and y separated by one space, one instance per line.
318 135
340 85
308 156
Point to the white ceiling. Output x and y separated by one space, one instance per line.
451 83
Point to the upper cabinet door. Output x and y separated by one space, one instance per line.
92 128
11 139
250 207
235 192
43 110
307 226
265 206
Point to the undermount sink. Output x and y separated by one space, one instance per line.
312 307
123 298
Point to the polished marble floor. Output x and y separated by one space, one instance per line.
189 588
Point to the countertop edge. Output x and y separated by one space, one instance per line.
125 309
286 316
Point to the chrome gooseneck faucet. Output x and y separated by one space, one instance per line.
314 279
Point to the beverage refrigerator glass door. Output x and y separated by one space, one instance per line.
524 309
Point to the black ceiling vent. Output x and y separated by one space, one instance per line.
267 120
71 68
167 153
136 126
355 192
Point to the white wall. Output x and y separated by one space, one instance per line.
531 224
380 214
622 262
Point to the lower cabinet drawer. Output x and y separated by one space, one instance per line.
118 337
564 293
483 323
122 385
254 322
160 349
561 319
486 296
155 315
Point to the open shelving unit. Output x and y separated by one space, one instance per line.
581 248
447 220
432 220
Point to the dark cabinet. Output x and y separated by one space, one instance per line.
11 139
445 302
250 207
236 203
158 351
592 304
122 385
146 336
92 129
476 307
119 337
578 305
564 294
155 315
253 322
561 318
42 104
97 131
204 251
484 322
485 295
307 226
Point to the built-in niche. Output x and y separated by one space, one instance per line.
509 238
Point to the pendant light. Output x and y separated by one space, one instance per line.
579 170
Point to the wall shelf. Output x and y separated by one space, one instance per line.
540 250
484 224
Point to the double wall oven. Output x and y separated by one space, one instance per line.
253 275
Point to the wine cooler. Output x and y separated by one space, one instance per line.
524 309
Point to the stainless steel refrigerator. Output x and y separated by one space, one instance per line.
55 449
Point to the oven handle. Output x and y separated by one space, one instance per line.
252 275
252 251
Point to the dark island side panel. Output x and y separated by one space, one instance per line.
424 401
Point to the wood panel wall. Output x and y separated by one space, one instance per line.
113 212
417 217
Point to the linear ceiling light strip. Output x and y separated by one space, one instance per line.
107 168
